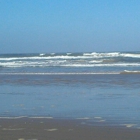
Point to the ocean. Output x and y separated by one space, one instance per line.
98 87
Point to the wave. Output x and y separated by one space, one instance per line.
16 117
131 55
73 73
63 73
130 72
44 57
64 63
30 117
93 55
102 65
100 55
114 59
69 53
42 54
113 54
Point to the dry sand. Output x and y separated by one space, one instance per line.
62 129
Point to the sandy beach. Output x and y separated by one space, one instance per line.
61 129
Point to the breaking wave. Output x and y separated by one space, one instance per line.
101 62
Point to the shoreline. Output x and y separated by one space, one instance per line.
62 129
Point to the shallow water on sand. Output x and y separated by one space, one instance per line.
99 98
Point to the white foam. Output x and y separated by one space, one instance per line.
18 117
90 73
129 125
42 54
64 63
101 55
102 65
34 58
130 55
41 57
69 56
96 61
52 129
127 71
66 60
41 117
112 54
69 53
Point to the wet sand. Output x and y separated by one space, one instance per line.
61 129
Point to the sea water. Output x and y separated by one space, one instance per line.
100 87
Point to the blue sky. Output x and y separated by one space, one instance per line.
69 26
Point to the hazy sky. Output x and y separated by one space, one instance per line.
69 25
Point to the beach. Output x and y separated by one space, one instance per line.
70 96
61 129
69 70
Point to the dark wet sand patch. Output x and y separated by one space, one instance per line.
61 129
